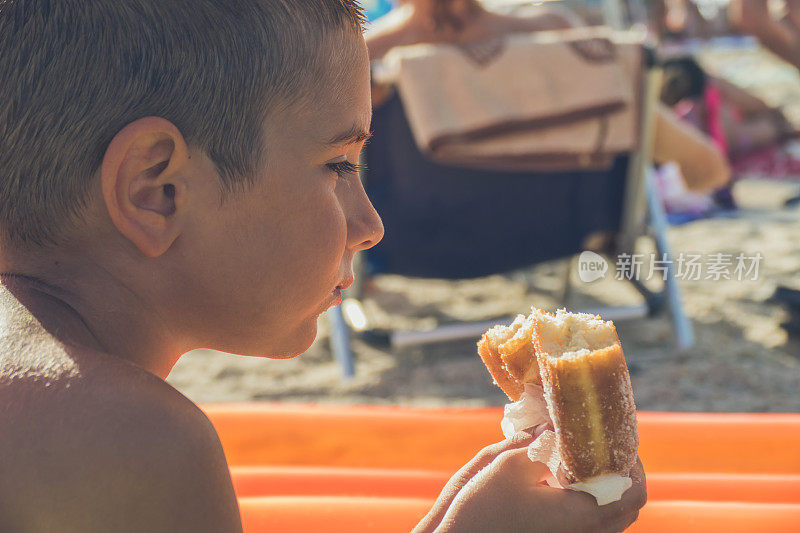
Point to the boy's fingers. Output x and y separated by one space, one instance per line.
632 499
623 524
520 440
564 510
527 471
586 515
615 516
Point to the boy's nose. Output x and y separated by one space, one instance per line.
365 228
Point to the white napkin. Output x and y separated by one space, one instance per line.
531 411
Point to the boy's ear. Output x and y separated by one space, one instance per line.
143 182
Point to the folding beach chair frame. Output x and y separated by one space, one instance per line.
642 214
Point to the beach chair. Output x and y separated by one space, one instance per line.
456 223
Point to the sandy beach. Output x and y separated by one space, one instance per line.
743 359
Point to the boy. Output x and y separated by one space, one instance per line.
178 175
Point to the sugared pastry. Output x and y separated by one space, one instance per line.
588 393
577 361
508 353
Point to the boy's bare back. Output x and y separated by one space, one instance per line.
91 443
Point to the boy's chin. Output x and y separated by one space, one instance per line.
287 346
295 344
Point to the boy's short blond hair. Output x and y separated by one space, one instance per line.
75 72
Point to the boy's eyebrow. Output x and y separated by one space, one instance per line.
355 134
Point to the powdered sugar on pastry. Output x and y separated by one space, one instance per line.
588 393
585 394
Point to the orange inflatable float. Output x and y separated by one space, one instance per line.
400 515
258 481
376 468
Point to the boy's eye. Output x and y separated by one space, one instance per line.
345 167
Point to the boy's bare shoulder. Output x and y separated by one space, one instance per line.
93 443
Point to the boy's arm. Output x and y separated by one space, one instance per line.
131 467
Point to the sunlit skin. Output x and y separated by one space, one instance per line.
159 264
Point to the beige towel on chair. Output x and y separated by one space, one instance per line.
530 101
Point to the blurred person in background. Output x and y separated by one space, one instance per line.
737 121
778 31
683 19
748 131
702 164
460 21
668 16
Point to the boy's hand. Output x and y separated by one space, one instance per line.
520 441
499 490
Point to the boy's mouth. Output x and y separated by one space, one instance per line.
337 296
343 285
337 291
